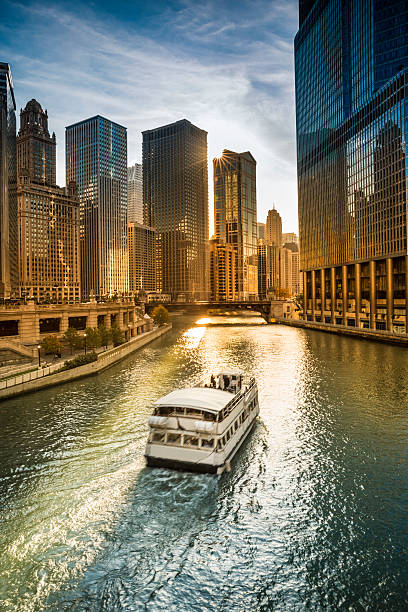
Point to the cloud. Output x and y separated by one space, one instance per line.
229 72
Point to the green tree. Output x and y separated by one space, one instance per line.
93 339
299 301
51 345
72 338
117 335
160 315
105 335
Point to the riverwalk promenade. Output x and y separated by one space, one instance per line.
342 330
52 375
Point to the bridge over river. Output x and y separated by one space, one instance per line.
269 309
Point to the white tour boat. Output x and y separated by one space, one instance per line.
201 428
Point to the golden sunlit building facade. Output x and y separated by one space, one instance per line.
47 216
175 199
223 271
235 216
142 257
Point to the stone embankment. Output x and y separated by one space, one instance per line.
342 330
50 376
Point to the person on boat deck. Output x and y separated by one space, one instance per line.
226 382
212 381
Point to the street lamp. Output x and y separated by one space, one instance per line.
39 355
85 343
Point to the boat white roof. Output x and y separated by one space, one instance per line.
204 398
230 373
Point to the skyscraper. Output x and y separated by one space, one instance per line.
8 180
273 230
351 64
289 238
142 257
96 159
47 215
135 194
261 230
36 149
235 215
223 262
175 197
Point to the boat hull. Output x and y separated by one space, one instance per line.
200 468
183 466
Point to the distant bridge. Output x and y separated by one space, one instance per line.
263 307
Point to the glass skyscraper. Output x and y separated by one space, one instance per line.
135 194
8 185
351 61
96 159
175 198
235 216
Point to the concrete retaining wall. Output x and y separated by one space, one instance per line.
342 330
105 359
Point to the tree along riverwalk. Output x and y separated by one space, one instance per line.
52 375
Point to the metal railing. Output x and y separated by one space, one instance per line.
52 369
29 376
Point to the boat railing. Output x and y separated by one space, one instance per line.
236 399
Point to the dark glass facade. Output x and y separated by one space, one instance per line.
235 216
351 62
8 185
96 160
175 199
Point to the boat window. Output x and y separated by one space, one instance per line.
220 445
162 411
190 441
207 443
236 425
193 412
177 411
157 436
223 440
173 438
228 434
209 416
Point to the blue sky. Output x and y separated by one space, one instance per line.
225 66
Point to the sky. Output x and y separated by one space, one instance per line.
225 65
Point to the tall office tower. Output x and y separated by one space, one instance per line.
47 216
175 197
96 159
36 149
235 215
285 271
223 264
351 66
8 180
260 230
296 279
290 237
142 257
273 230
135 194
262 268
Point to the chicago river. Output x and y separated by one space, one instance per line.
311 516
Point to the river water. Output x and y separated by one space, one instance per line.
313 515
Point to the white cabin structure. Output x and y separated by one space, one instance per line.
201 428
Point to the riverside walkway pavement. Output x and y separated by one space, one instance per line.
52 375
